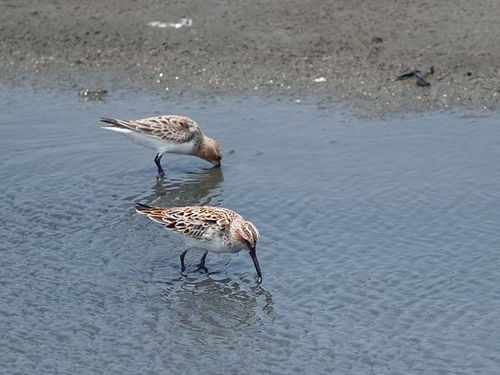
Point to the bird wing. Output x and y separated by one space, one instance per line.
200 222
169 128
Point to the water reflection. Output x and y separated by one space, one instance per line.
204 304
202 187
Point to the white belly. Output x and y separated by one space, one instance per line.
214 246
155 143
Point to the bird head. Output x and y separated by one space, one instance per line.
247 235
211 151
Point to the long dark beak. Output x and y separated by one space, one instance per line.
256 264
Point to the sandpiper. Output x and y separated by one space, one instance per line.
215 229
174 134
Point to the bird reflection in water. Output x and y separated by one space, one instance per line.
202 301
212 306
194 188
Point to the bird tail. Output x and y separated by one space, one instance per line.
153 213
116 122
119 126
143 208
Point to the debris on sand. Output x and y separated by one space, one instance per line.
419 74
184 22
93 95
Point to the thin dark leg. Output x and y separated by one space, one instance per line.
183 267
157 162
201 266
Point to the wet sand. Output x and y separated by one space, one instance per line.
337 50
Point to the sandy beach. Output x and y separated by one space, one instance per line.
336 50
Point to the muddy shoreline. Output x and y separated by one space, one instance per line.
337 50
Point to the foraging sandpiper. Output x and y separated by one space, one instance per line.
174 134
215 229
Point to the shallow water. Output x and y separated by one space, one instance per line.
379 251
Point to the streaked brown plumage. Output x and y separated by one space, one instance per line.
215 229
174 134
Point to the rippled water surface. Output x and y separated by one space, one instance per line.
380 242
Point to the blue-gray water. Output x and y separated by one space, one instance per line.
380 242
